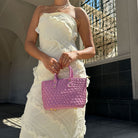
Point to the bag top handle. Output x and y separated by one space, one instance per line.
70 74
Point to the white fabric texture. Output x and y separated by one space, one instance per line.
57 34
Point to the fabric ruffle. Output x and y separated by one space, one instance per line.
37 29
79 124
61 20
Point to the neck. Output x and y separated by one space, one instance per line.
61 2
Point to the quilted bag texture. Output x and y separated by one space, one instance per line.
64 93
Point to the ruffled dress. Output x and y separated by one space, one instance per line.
57 34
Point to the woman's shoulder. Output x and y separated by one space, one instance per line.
80 9
41 7
81 13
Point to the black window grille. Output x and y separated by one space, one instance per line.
102 16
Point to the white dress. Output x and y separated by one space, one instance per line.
57 34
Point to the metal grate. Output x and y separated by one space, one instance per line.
102 16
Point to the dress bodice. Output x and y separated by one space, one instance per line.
69 23
57 26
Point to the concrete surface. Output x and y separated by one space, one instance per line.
97 127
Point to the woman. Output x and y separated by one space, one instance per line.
58 26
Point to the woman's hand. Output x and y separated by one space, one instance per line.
51 64
67 57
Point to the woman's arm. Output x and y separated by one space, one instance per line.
30 42
84 30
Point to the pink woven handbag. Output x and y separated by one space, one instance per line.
64 93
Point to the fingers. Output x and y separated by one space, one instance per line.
64 60
54 66
50 70
57 66
60 62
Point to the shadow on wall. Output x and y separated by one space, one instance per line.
15 68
